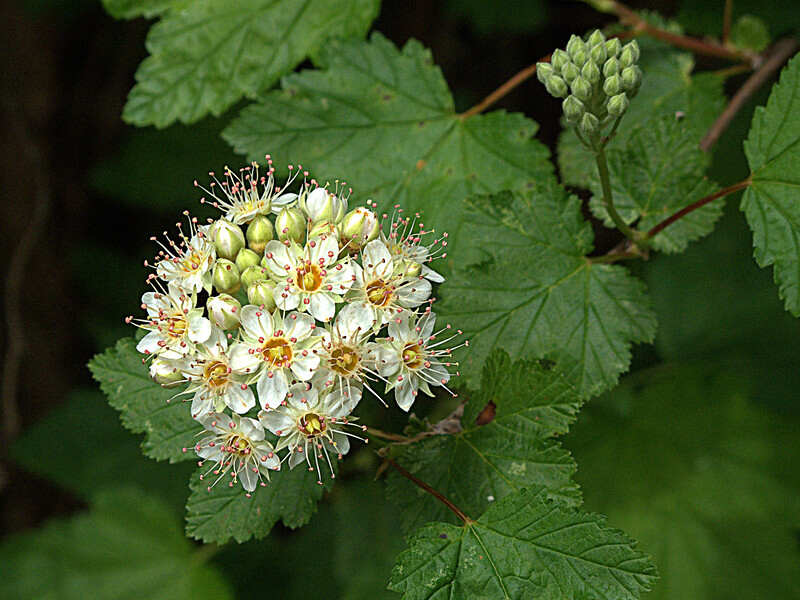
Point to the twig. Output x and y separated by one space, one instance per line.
695 205
779 54
726 21
438 495
504 89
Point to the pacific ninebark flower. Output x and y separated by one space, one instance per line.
188 262
412 250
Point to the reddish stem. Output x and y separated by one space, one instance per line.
438 495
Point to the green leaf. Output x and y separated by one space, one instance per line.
772 202
225 512
523 547
679 458
384 121
537 295
659 171
127 546
146 407
208 55
484 462
130 9
750 33
517 16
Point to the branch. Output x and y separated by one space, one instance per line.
726 21
504 89
438 495
779 54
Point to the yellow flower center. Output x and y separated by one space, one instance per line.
309 278
237 444
344 360
311 424
379 293
215 374
277 352
192 262
176 325
413 356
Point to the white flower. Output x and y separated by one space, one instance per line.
312 278
411 251
174 323
321 205
274 350
382 289
237 447
213 383
244 195
310 424
412 358
187 263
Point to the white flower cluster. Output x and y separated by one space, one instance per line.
297 316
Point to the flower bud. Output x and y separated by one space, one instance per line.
321 205
223 310
589 123
228 239
611 67
570 72
544 71
574 45
324 228
613 47
581 89
253 274
246 258
591 73
290 224
259 232
612 85
226 276
617 105
165 372
579 58
556 87
598 54
629 55
558 59
631 78
596 38
260 294
573 109
360 226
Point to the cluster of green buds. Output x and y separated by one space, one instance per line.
597 78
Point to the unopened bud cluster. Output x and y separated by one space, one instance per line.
277 317
596 78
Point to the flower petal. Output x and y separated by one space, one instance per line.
242 361
272 388
278 421
377 260
322 307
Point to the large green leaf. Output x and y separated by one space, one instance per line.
210 53
679 458
536 294
487 461
523 547
772 202
659 171
226 512
127 546
384 121
146 407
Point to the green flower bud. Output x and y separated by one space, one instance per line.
617 105
290 225
226 276
324 228
591 73
573 109
228 239
611 67
253 274
223 310
246 258
260 294
259 232
613 47
581 89
165 372
570 72
574 45
631 78
558 59
596 38
544 71
589 123
361 226
612 85
556 87
629 54
321 205
579 58
598 54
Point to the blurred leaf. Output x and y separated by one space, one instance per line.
537 295
517 16
679 458
482 463
750 33
384 121
705 18
130 9
659 171
523 547
128 546
206 56
772 202
106 454
145 406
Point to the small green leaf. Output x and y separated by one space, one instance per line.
130 9
523 547
750 33
486 461
208 55
384 121
128 545
659 171
537 295
772 202
225 511
146 407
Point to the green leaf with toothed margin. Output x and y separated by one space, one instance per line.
523 547
146 407
487 461
537 295
772 202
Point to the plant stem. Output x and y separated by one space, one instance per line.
608 198
504 89
726 21
438 495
